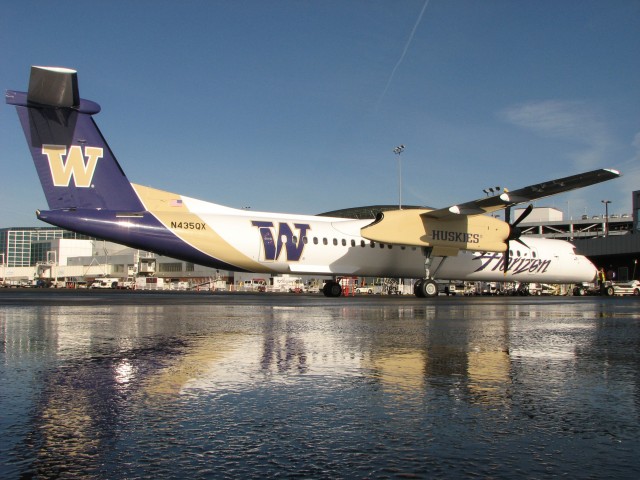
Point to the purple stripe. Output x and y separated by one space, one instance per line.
144 233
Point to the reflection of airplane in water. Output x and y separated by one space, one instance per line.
87 192
427 361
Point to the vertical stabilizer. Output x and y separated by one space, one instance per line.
74 162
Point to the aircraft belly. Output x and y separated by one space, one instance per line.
395 262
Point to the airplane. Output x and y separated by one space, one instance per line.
88 192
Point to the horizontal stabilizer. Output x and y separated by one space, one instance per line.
53 86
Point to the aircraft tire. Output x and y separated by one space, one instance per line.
426 288
417 289
332 289
609 291
430 288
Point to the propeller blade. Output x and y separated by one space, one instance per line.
514 232
523 215
505 265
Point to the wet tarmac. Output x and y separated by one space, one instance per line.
191 385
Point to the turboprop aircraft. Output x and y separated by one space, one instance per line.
88 192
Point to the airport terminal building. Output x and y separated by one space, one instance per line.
54 253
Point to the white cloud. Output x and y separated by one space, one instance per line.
588 140
575 122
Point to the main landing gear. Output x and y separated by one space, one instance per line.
426 287
332 289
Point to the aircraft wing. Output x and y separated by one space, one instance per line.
525 194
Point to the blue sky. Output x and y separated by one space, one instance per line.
296 106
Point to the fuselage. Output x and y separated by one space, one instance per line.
244 240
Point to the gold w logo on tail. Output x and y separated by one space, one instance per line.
75 165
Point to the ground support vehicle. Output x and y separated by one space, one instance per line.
609 289
621 288
105 282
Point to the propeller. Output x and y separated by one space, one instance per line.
514 232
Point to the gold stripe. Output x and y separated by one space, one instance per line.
159 204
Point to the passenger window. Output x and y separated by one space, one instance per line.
362 243
353 243
324 241
335 241
373 244
344 242
315 240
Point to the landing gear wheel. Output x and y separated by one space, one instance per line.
332 289
425 288
430 288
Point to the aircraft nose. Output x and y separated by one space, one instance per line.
589 269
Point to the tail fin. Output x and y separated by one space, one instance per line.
76 166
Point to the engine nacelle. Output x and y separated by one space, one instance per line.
464 232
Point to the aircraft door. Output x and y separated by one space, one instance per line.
267 244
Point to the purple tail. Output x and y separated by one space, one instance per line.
76 166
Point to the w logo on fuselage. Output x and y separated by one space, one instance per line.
75 166
273 240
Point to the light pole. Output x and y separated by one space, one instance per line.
606 216
398 150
